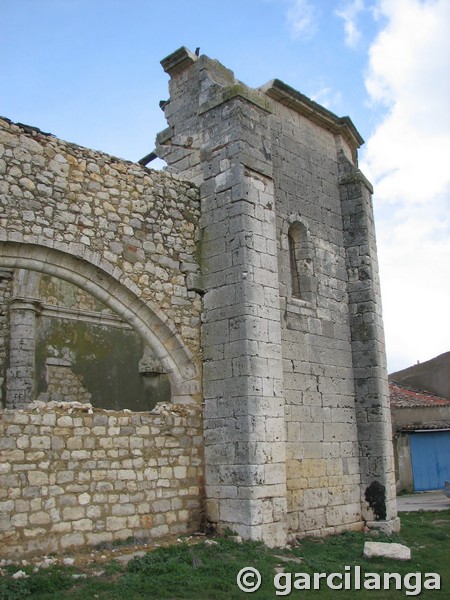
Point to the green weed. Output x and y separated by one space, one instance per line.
202 572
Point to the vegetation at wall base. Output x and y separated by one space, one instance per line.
203 572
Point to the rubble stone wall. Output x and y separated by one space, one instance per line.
71 477
124 233
124 237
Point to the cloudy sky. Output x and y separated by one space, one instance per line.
88 71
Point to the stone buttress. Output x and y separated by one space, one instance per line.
218 139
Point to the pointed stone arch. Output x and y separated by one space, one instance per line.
148 321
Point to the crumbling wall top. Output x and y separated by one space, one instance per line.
276 90
178 61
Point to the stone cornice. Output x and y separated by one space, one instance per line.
284 94
88 316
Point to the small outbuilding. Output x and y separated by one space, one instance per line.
421 422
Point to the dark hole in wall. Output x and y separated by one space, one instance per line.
376 498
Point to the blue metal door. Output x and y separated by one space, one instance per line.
430 458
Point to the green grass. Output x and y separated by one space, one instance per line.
200 572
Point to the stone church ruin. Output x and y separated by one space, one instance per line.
198 346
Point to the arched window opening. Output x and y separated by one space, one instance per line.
65 345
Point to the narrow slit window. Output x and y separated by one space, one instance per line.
300 263
293 263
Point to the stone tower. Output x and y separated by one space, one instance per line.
296 416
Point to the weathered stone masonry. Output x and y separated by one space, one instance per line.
297 425
95 246
252 261
114 229
74 478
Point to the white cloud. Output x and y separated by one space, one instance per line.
407 158
327 97
409 72
414 254
349 13
301 19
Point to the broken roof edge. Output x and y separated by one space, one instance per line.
288 96
277 90
423 428
178 61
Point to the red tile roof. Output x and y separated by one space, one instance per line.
404 397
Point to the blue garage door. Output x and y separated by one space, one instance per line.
430 457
